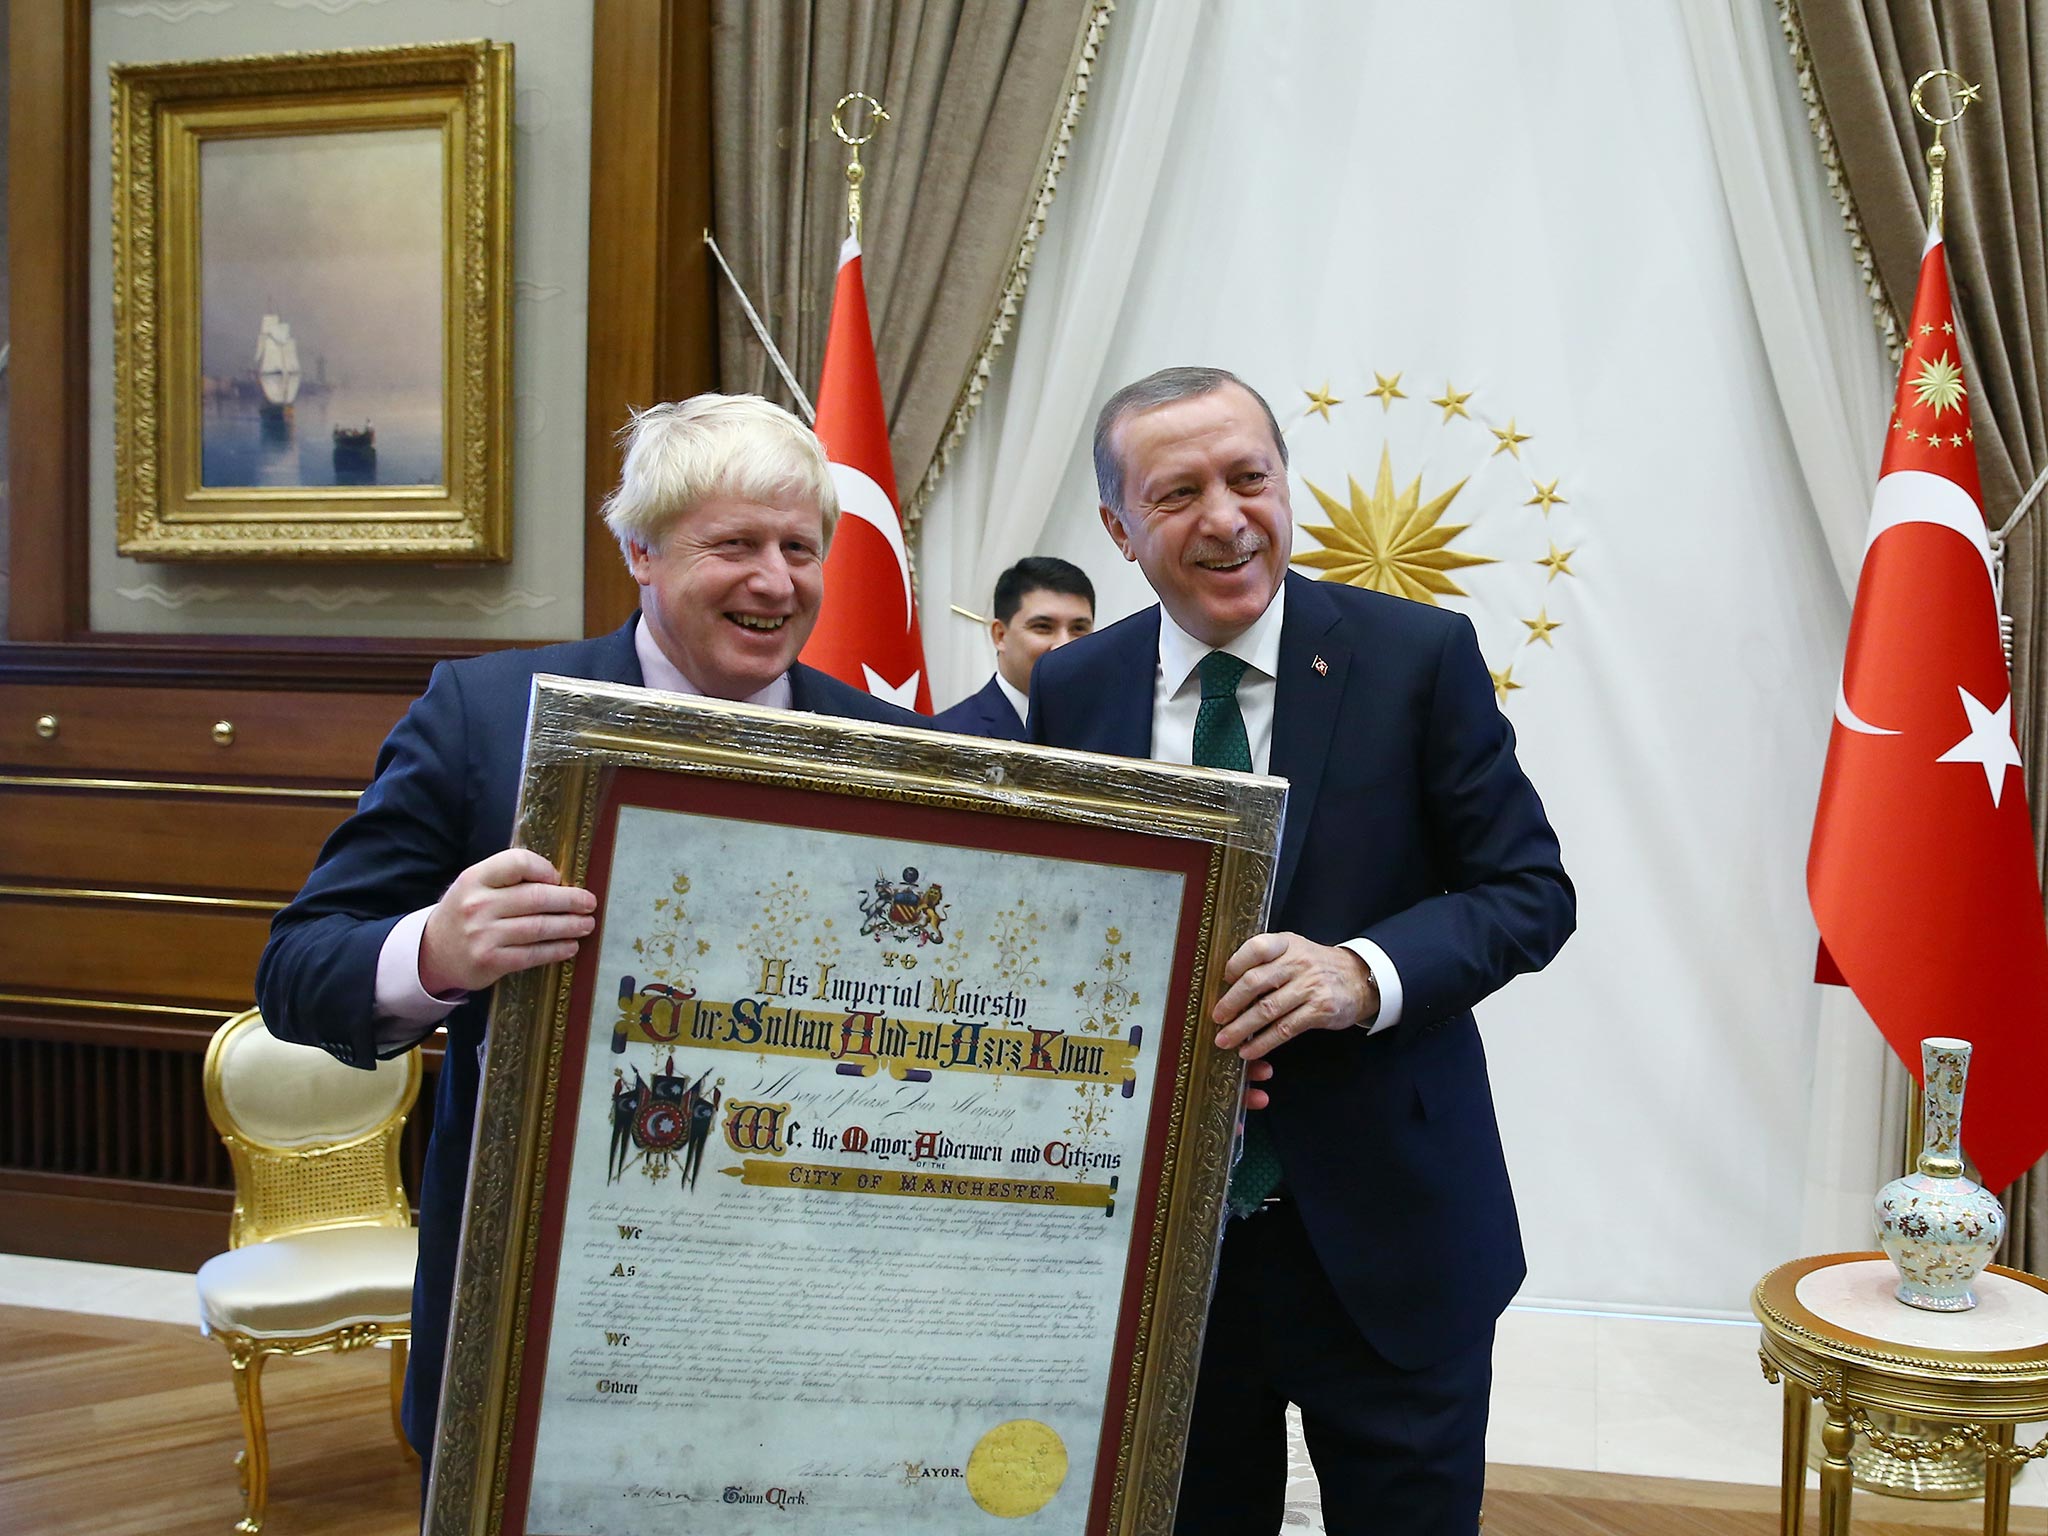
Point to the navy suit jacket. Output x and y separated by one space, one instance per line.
1408 823
986 712
446 783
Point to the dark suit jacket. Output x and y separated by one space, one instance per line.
446 782
986 712
1409 823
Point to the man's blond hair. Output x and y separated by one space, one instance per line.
686 452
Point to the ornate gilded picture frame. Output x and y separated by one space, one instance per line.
868 1162
312 306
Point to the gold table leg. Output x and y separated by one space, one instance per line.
1837 1475
1792 1461
1997 1479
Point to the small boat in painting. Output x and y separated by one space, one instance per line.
355 454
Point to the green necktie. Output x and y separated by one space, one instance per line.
1220 742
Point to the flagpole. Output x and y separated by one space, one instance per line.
1957 1473
1962 94
856 173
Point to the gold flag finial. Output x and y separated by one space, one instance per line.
1961 94
856 173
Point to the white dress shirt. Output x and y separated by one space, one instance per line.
406 1011
1021 702
1177 700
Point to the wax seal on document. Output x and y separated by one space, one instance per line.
1016 1468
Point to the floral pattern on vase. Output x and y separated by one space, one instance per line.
1938 1227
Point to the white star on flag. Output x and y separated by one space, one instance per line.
903 695
1989 744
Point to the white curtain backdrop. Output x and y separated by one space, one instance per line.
990 509
1834 385
1522 206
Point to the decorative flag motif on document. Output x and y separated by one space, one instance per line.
1921 874
867 634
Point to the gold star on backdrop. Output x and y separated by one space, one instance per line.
1452 402
1387 389
1320 401
1912 434
1940 384
1390 543
1546 497
1558 562
1948 327
1504 683
1510 440
1541 626
1955 439
1926 329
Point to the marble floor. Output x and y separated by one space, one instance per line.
1577 1391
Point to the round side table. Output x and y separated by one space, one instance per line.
1834 1330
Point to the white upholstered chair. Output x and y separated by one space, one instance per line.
321 1246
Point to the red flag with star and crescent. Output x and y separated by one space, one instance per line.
867 633
1922 875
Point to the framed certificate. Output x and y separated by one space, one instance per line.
864 1172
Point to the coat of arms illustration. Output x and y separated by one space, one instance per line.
670 1115
901 910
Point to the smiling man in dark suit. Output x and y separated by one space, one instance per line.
1041 604
1373 1239
417 906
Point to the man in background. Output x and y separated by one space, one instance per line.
1372 1239
1041 604
417 906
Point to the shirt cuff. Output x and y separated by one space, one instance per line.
406 1012
1387 978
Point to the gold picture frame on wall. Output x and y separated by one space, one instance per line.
312 305
868 1161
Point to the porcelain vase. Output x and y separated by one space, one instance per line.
1939 1227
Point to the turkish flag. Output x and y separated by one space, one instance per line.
867 633
1922 873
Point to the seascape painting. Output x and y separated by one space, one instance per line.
322 308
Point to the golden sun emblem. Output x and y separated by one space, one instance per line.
1393 543
1940 384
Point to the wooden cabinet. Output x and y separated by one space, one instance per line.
147 835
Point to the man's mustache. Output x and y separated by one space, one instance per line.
1247 545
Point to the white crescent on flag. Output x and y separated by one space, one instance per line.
860 497
1915 496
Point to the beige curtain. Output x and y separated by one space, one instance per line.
1859 59
982 97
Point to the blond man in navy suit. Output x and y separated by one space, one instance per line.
417 906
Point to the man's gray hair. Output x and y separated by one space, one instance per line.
1149 393
693 450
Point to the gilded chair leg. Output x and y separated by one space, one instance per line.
398 1354
1998 1479
253 1465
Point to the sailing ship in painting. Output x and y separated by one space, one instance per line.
254 416
280 380
277 371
